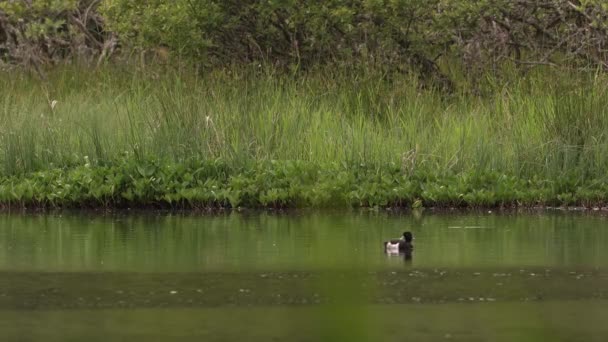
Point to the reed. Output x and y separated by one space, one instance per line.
544 124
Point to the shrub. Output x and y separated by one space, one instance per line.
35 32
399 35
395 33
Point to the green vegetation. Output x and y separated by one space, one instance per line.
282 103
252 138
402 34
286 184
414 36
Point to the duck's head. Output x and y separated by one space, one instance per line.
408 237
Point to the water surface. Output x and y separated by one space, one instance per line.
162 242
303 276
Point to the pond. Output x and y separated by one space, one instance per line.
303 276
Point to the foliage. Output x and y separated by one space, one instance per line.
428 38
547 124
282 184
398 34
36 32
247 138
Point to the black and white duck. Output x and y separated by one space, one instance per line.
401 245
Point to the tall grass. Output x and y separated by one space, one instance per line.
545 123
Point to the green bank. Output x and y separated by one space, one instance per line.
121 136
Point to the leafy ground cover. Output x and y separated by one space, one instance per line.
286 184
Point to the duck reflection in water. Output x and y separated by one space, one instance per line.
402 246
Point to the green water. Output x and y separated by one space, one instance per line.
303 276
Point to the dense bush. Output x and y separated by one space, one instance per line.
398 34
388 32
36 32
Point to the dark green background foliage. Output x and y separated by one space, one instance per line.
308 31
399 34
35 32
281 31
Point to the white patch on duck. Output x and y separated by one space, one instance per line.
392 247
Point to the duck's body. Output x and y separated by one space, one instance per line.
398 247
402 245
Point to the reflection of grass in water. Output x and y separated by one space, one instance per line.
314 241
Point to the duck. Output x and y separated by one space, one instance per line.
401 245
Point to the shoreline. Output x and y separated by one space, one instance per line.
288 185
